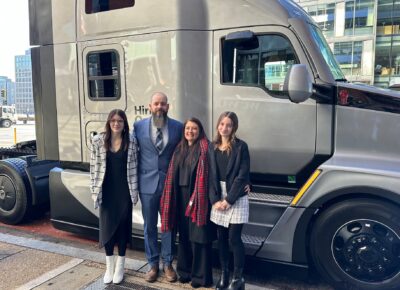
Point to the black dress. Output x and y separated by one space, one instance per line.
116 206
195 243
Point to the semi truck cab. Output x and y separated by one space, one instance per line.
325 154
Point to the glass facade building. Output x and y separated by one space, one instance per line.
23 84
7 90
364 36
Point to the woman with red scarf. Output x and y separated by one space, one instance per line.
185 206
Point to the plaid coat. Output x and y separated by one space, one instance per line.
98 168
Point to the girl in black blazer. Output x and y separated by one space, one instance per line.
229 175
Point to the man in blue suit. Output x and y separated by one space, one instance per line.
157 136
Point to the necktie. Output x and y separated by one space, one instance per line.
159 140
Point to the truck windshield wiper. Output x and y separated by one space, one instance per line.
341 80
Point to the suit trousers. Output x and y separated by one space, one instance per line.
150 210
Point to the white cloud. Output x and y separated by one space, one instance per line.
14 34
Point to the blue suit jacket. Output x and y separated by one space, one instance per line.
152 167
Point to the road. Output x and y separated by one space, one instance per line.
24 132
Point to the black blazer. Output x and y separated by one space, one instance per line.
237 173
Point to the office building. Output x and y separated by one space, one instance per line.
23 84
7 91
364 36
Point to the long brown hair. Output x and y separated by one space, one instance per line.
235 125
124 133
183 145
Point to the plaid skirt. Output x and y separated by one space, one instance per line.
238 213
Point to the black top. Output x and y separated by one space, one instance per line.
116 204
185 164
222 159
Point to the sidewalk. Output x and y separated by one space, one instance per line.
27 263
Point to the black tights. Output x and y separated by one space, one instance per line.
231 237
120 238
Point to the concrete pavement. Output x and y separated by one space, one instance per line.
28 263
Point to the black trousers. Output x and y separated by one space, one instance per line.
231 237
120 238
195 261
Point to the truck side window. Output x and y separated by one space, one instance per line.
265 65
94 6
103 75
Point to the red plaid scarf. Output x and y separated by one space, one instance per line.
197 208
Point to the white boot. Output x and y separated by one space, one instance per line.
108 276
119 270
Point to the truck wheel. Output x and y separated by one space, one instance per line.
15 196
356 244
6 123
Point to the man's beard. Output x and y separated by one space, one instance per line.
159 119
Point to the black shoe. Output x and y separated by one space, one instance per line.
237 282
184 279
223 281
195 284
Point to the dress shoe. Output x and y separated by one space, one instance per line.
184 280
195 284
170 273
152 274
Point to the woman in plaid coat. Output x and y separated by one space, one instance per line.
114 187
185 206
229 174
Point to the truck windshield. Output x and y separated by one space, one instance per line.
327 53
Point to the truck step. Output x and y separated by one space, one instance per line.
252 240
278 199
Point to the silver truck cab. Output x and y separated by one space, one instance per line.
325 154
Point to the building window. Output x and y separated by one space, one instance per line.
388 20
387 49
348 55
324 15
359 17
94 6
103 75
263 61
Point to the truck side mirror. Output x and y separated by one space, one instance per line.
298 83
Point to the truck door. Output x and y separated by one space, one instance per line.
248 79
103 86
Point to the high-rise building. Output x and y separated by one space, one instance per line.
23 84
364 36
7 91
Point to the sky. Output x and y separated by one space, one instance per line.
14 34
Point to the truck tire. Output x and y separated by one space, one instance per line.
356 244
6 123
15 195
